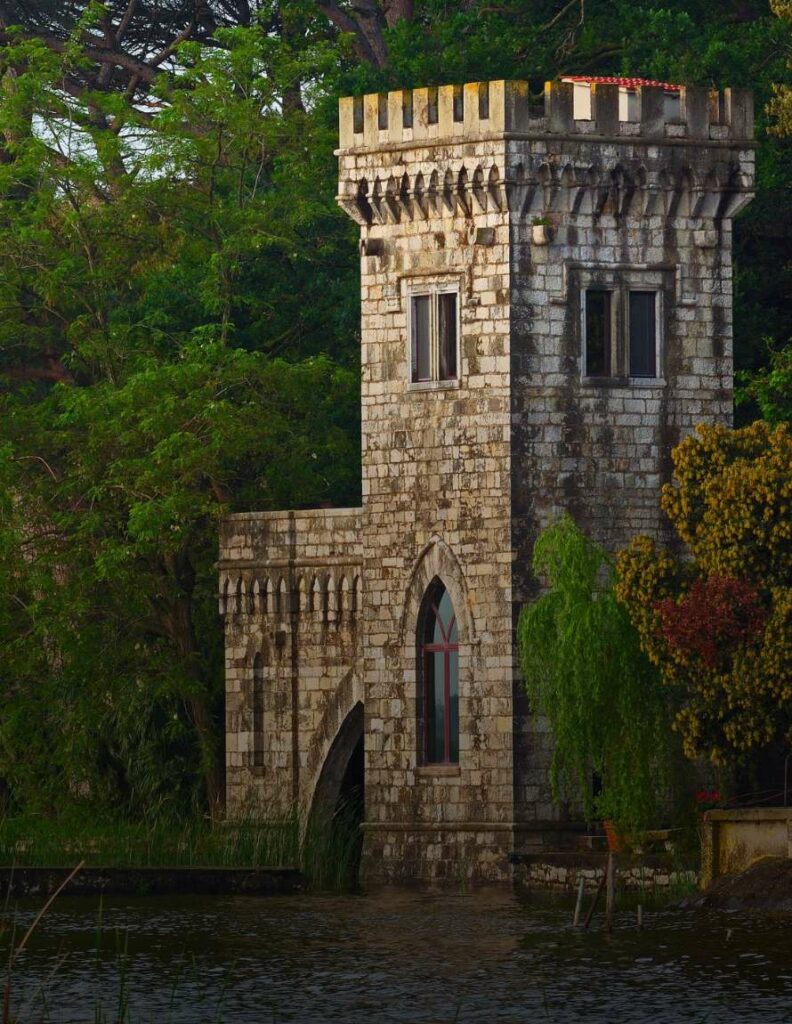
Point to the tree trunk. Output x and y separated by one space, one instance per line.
398 10
179 625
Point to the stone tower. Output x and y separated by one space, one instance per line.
546 310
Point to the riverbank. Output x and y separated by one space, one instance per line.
23 882
765 886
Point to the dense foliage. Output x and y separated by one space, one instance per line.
178 320
586 674
719 626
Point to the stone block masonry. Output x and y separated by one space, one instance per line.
527 211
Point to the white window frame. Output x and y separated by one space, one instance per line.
433 289
620 282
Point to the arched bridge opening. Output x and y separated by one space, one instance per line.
333 840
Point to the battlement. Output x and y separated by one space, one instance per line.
455 113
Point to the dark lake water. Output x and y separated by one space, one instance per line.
401 957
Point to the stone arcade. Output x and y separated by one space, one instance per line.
546 311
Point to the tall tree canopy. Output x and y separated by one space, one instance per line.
178 318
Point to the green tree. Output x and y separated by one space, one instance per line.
584 671
160 370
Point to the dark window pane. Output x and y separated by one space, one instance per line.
598 333
453 706
643 348
439 693
447 331
436 701
421 367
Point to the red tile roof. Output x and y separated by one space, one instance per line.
625 83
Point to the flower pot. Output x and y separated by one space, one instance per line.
542 234
614 840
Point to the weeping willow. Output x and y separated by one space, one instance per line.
585 673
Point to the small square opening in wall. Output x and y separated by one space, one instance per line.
407 108
432 109
459 103
434 335
484 101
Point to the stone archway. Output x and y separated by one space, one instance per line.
334 839
342 770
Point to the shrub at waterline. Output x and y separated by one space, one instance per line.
325 849
585 672
718 627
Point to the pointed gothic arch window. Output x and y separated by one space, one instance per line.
258 711
438 674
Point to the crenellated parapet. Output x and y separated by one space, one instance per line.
582 147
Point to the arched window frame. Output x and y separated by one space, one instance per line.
437 642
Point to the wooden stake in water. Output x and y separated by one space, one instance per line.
610 891
579 904
595 901
640 916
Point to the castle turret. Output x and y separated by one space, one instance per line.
546 291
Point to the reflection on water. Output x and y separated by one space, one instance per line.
395 956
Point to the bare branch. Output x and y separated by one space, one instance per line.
368 41
124 24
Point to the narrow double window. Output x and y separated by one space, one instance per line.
434 335
632 350
438 670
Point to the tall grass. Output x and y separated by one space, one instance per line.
326 849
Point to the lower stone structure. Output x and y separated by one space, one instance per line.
650 874
546 310
732 840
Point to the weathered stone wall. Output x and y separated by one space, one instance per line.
436 493
291 593
645 204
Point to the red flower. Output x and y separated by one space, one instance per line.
714 616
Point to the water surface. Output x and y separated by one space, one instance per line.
394 957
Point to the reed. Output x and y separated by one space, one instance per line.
325 848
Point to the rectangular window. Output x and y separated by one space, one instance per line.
598 333
421 338
447 335
643 335
434 336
